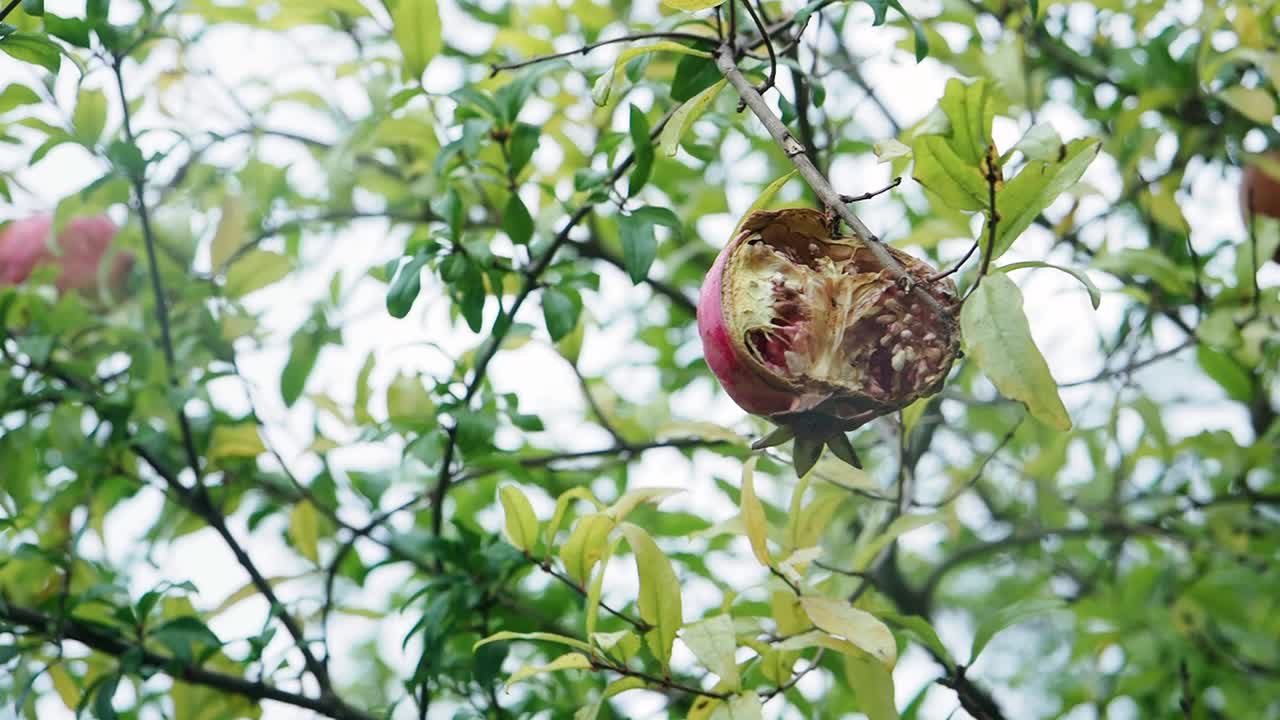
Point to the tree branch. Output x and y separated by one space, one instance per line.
107 641
725 60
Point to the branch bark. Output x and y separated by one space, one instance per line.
111 643
726 61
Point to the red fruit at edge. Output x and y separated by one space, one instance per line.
811 332
1260 191
80 250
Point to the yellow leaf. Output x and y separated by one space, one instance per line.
568 661
684 116
659 601
692 5
65 685
753 515
521 526
233 230
631 500
255 270
235 441
587 543
714 643
766 196
304 530
1255 104
859 627
603 87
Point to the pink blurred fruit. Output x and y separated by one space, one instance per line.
80 251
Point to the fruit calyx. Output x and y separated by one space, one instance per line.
808 330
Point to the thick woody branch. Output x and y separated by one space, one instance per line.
727 63
108 641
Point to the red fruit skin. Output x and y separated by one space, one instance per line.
81 248
743 385
1261 191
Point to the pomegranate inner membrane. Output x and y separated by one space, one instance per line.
824 316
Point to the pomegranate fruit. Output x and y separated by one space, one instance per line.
80 250
809 331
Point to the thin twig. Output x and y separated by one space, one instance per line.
868 195
955 268
499 67
977 474
1133 366
768 44
137 181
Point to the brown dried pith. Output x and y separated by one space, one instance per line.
811 331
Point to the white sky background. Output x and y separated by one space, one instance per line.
1065 326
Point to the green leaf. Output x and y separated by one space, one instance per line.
524 141
32 48
568 661
1254 103
521 527
684 116
233 230
997 335
304 349
183 635
970 109
872 683
15 95
102 707
516 221
920 629
603 86
416 28
540 636
73 30
34 8
753 515
1036 186
1009 616
405 287
890 149
692 5
643 164
1225 371
838 617
659 599
1095 295
693 75
917 30
255 270
234 441
304 530
957 183
713 642
639 246
1041 143
409 402
1148 262
560 311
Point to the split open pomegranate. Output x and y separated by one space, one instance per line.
808 329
